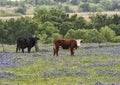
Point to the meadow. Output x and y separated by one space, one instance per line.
92 64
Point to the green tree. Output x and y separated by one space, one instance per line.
115 4
117 39
3 32
99 20
65 26
106 4
108 33
53 15
93 36
11 30
95 8
115 19
85 7
75 2
116 28
76 34
41 15
46 32
57 36
80 23
80 34
70 34
23 26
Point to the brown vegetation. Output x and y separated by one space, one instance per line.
82 14
87 14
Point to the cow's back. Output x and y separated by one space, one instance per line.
65 43
21 42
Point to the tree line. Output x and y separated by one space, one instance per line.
48 24
68 5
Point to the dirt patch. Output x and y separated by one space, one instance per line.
82 14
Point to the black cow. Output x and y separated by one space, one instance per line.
23 43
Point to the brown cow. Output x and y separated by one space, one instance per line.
71 44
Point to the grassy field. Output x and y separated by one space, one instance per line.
93 64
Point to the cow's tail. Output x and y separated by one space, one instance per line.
17 49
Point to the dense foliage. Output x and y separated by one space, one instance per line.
48 24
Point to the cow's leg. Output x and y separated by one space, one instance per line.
23 50
72 51
29 49
17 49
56 49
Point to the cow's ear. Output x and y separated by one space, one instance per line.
81 41
37 38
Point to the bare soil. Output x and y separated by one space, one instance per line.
31 9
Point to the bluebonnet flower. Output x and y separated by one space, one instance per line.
98 83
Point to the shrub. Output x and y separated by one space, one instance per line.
108 33
117 39
57 35
94 36
46 32
80 33
116 28
70 34
90 36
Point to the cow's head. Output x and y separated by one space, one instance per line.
36 38
79 41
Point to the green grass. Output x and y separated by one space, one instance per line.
41 71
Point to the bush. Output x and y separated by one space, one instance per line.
80 33
46 32
117 39
93 36
108 33
57 35
116 28
90 36
70 34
